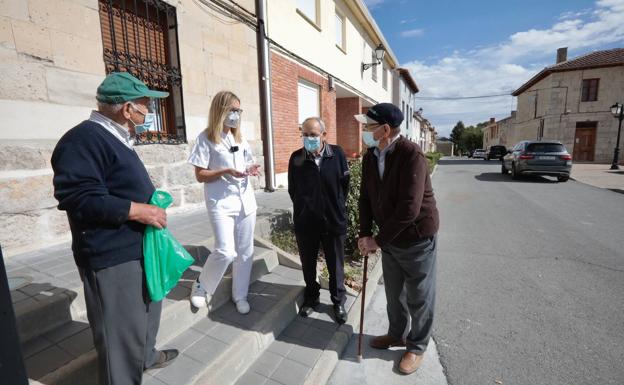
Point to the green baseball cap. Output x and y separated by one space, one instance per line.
121 87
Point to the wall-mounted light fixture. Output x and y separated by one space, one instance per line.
380 52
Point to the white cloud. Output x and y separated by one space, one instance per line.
503 67
412 32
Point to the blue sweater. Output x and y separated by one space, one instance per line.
95 179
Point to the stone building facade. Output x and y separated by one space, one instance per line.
570 102
52 60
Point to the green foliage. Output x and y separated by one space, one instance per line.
467 138
285 240
353 212
433 158
457 133
472 138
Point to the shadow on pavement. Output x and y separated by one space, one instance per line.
498 177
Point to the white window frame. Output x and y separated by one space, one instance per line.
315 19
343 44
306 111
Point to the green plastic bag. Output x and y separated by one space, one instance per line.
165 259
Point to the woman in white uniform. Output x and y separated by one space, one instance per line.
223 162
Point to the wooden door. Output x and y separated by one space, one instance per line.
585 142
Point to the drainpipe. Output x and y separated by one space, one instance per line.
264 78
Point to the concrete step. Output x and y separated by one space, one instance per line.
65 355
221 347
309 349
49 302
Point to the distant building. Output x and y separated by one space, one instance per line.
569 101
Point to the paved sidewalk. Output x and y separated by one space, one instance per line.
599 175
379 367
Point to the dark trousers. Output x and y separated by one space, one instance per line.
123 321
411 271
333 247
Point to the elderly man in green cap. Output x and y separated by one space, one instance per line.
103 186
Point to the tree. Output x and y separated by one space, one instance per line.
456 135
472 138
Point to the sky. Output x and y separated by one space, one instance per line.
463 48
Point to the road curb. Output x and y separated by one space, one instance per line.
325 365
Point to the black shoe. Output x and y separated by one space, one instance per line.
308 308
340 313
166 358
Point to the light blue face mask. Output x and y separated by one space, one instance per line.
369 140
312 143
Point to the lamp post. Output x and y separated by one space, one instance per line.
618 112
380 52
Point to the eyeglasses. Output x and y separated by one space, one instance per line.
150 108
372 126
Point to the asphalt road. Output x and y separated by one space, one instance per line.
530 279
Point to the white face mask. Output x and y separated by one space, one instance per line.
232 119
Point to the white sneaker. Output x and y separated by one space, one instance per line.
199 297
242 306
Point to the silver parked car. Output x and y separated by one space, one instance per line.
479 153
538 158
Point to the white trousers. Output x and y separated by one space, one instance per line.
234 244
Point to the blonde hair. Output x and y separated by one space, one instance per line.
219 109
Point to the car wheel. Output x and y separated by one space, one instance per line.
514 173
504 171
562 178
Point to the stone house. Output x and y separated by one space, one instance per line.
570 102
56 52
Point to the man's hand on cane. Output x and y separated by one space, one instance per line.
367 245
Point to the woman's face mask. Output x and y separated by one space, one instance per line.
232 119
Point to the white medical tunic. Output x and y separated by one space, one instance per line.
228 194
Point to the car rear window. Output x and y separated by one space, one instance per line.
545 147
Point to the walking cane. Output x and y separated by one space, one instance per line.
364 280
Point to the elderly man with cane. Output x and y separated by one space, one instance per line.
396 193
103 186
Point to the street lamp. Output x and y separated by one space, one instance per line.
618 112
380 52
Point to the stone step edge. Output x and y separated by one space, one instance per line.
325 365
169 324
178 315
75 301
234 361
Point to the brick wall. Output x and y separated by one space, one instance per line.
348 129
285 74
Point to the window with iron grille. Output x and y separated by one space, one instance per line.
141 37
590 90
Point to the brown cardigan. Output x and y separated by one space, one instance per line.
402 204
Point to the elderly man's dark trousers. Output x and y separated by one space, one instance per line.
123 321
333 248
413 269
